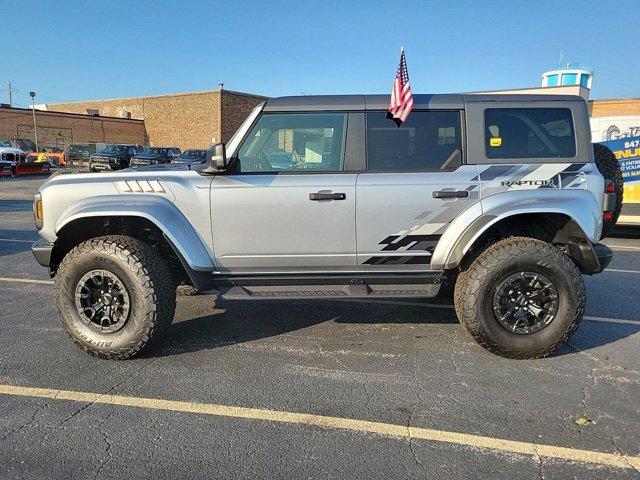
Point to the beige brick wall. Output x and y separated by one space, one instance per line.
60 129
606 108
185 120
235 108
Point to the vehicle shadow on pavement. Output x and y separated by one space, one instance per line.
199 326
592 335
15 206
234 322
23 243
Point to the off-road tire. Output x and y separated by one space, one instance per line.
609 168
475 288
148 280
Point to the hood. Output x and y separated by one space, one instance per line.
164 167
109 155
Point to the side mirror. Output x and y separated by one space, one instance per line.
217 156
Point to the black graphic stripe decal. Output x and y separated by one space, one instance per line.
410 241
399 260
424 243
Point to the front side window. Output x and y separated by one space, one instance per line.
529 133
425 141
290 142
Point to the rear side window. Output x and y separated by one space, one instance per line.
529 133
425 141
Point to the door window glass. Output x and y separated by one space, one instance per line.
286 142
425 141
529 133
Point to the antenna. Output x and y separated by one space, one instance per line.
560 59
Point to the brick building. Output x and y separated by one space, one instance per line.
185 120
614 106
60 129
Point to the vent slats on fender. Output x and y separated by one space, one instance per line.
140 186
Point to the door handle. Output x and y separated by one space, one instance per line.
318 196
451 194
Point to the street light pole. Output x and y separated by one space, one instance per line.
33 109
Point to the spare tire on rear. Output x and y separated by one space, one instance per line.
609 168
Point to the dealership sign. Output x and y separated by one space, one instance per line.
614 133
627 151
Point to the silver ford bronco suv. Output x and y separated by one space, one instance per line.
494 198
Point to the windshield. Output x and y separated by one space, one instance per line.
2 144
153 151
193 154
80 150
114 149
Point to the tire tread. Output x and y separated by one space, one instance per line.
467 292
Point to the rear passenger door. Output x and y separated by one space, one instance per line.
415 184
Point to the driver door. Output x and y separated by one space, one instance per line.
286 205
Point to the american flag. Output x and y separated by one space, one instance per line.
401 98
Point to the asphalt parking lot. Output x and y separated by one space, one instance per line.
304 389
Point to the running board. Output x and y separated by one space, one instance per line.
261 288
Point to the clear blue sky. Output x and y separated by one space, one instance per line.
68 50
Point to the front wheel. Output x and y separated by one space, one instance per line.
115 295
520 298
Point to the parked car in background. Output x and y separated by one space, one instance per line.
191 157
26 146
9 158
14 161
52 155
155 156
78 154
113 157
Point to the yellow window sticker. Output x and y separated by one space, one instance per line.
495 141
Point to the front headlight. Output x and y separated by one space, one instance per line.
38 212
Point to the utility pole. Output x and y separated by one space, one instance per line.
33 109
10 94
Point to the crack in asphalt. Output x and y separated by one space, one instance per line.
107 450
35 413
540 465
411 439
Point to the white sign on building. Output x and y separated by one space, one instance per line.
604 129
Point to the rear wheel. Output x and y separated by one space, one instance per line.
115 296
609 168
520 298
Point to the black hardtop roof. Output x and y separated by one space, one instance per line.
420 101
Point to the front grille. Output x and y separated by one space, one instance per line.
9 157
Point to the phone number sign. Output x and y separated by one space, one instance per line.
627 151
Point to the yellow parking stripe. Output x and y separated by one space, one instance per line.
629 219
26 280
362 426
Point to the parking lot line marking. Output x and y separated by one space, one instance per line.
623 248
26 280
338 423
612 320
15 240
621 271
6 220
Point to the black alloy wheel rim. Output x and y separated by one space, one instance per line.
102 301
525 302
